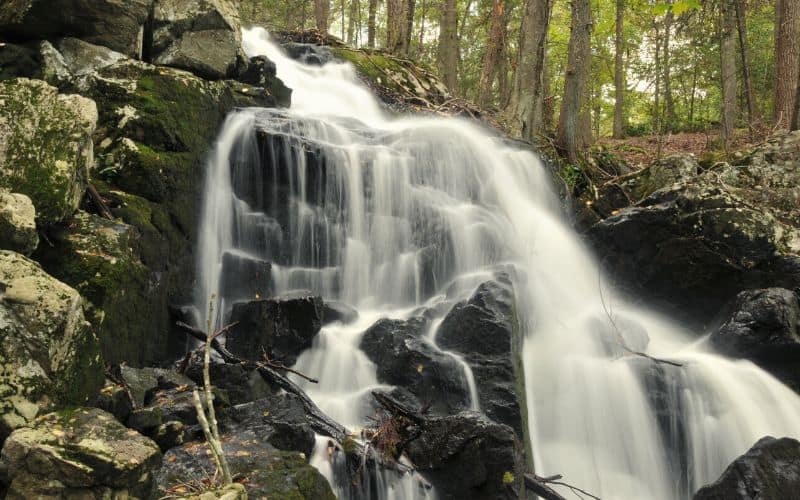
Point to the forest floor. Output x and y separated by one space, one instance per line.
640 151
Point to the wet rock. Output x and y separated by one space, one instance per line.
115 400
145 420
79 452
141 382
315 55
404 358
486 331
111 23
244 277
764 327
284 326
203 37
241 384
170 434
267 472
337 311
49 354
17 223
770 470
261 72
469 456
46 146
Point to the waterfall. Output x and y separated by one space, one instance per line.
390 214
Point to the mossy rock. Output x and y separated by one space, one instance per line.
80 451
45 146
48 353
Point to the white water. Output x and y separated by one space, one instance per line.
402 210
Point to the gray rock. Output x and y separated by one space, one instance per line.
17 223
79 452
199 36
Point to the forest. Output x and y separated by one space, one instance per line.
585 71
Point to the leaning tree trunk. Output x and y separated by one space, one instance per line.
568 134
524 112
787 59
495 40
447 55
322 9
619 73
728 69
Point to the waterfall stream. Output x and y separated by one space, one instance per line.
393 214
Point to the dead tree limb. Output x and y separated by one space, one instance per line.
280 366
540 488
98 201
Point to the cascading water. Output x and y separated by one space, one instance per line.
393 214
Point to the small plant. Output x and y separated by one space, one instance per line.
209 422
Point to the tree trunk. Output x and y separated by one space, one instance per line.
795 125
525 105
669 102
373 8
447 54
787 60
728 69
568 134
395 25
322 9
657 96
351 22
741 22
495 40
619 74
410 6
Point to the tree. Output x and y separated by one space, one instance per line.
322 10
728 68
741 24
787 60
669 102
373 9
525 109
493 52
569 132
619 72
395 25
447 54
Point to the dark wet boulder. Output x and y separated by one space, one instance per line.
468 456
285 326
485 330
770 470
118 25
83 453
244 277
338 311
261 72
764 326
266 471
241 384
201 36
404 358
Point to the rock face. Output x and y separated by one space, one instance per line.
17 223
284 326
117 24
770 470
485 330
468 456
764 326
82 452
202 36
404 358
46 146
692 246
49 354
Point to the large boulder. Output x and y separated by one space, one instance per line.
17 223
201 36
284 326
80 453
117 24
403 357
764 326
692 246
49 354
469 456
46 146
770 470
485 330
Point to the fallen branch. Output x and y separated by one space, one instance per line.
280 366
539 485
98 201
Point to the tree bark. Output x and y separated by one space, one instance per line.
351 22
447 55
495 40
410 7
787 59
741 23
524 112
728 69
322 10
619 74
373 8
395 25
568 134
669 102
